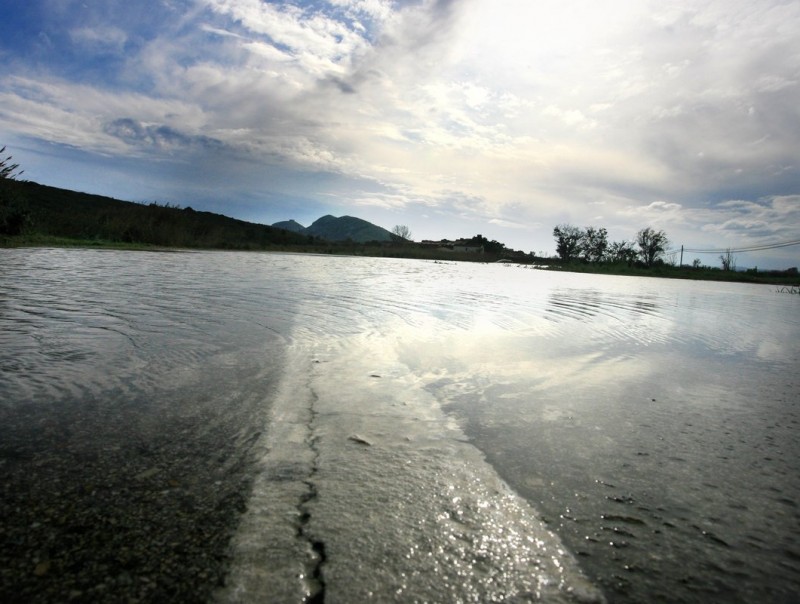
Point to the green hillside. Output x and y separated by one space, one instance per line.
346 228
60 213
290 225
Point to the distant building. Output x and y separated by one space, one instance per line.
461 246
444 243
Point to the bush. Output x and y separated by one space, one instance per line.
15 214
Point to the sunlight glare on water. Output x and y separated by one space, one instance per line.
428 417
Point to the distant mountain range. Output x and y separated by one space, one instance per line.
339 229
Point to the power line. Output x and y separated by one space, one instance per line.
742 250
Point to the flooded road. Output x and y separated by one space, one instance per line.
406 430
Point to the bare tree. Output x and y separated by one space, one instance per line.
728 260
652 245
402 231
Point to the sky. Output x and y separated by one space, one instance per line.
453 117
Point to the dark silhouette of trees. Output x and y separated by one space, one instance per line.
8 171
591 245
14 211
594 244
622 252
73 215
652 245
572 242
490 247
568 241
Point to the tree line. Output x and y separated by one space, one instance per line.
591 245
14 211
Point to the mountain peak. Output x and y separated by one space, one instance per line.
290 225
341 228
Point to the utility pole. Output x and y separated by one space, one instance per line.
681 264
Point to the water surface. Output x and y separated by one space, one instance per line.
458 427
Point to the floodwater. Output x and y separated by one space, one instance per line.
442 431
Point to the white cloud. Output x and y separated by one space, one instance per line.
571 117
375 9
509 224
321 44
77 115
660 214
99 39
522 112
771 219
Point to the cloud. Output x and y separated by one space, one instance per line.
730 223
77 115
382 200
571 117
159 137
509 224
319 43
768 220
108 39
377 10
519 112
658 214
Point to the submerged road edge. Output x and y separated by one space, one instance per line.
368 491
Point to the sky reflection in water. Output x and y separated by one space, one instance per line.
652 422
